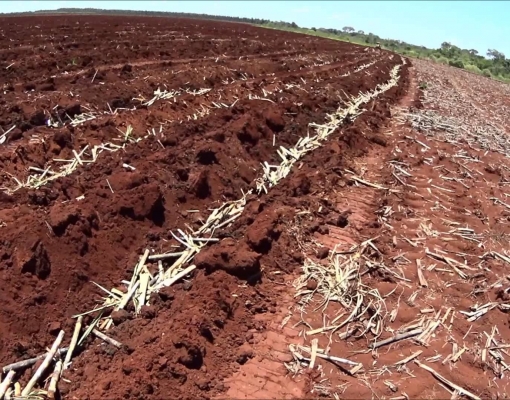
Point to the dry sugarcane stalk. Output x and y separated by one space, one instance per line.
138 268
313 356
110 186
144 285
42 171
348 333
324 356
52 388
17 390
499 359
447 382
396 338
421 277
74 340
6 383
432 326
338 359
457 355
164 256
479 311
171 281
410 358
107 339
45 364
450 261
31 361
127 297
501 257
92 325
488 342
373 185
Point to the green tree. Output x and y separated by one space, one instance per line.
495 55
456 63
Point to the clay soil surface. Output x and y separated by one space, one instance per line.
234 94
86 88
432 318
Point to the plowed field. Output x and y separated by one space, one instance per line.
120 136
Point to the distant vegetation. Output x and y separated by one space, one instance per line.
494 64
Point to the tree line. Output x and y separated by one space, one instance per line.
493 64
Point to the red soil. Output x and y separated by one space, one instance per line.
448 187
196 333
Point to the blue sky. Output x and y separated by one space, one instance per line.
467 24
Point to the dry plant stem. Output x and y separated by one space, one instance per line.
128 296
31 361
74 340
6 383
396 338
144 285
52 388
410 358
164 256
45 364
421 277
107 339
313 356
370 184
447 382
182 274
338 359
487 345
328 357
457 355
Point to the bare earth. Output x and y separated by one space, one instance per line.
365 258
449 219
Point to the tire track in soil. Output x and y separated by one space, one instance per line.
265 376
353 221
425 214
419 209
